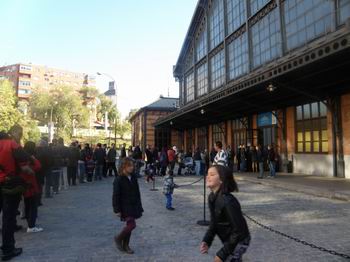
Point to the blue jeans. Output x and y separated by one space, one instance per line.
98 172
81 171
272 166
198 167
169 200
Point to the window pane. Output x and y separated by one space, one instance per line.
308 136
266 38
300 147
299 113
316 136
236 14
307 111
324 134
300 137
306 20
316 147
216 24
314 110
217 68
324 147
323 109
238 57
307 147
202 79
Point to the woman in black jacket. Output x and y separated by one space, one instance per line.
126 202
227 220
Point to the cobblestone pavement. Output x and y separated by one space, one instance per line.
79 226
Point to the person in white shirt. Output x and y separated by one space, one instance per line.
221 156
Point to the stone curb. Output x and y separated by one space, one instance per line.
297 188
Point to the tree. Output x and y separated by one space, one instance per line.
64 104
106 105
9 115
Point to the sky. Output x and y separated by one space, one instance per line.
137 42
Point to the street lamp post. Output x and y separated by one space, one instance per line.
115 120
51 125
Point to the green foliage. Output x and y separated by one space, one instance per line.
65 106
106 105
9 115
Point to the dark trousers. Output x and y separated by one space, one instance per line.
172 165
56 173
48 183
105 169
163 170
72 175
112 167
31 210
9 211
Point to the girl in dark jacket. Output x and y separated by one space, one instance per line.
126 203
227 221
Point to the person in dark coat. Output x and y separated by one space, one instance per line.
111 158
227 221
163 161
99 158
123 151
44 155
126 202
72 167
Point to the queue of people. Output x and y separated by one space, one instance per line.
33 171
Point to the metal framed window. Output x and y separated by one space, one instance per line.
201 46
236 14
306 20
344 11
216 24
219 133
311 128
256 5
190 87
217 69
238 57
202 137
202 79
266 38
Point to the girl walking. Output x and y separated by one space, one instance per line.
227 221
126 202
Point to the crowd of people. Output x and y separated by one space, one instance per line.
33 171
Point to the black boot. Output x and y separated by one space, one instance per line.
119 241
14 253
126 246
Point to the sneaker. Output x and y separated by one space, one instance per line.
14 253
170 208
35 230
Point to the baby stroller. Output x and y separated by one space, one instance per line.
189 166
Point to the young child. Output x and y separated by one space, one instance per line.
150 172
126 202
168 189
227 221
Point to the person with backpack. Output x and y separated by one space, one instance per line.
226 218
13 161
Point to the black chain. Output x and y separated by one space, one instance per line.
190 184
303 242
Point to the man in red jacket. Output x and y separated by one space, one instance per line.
12 158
